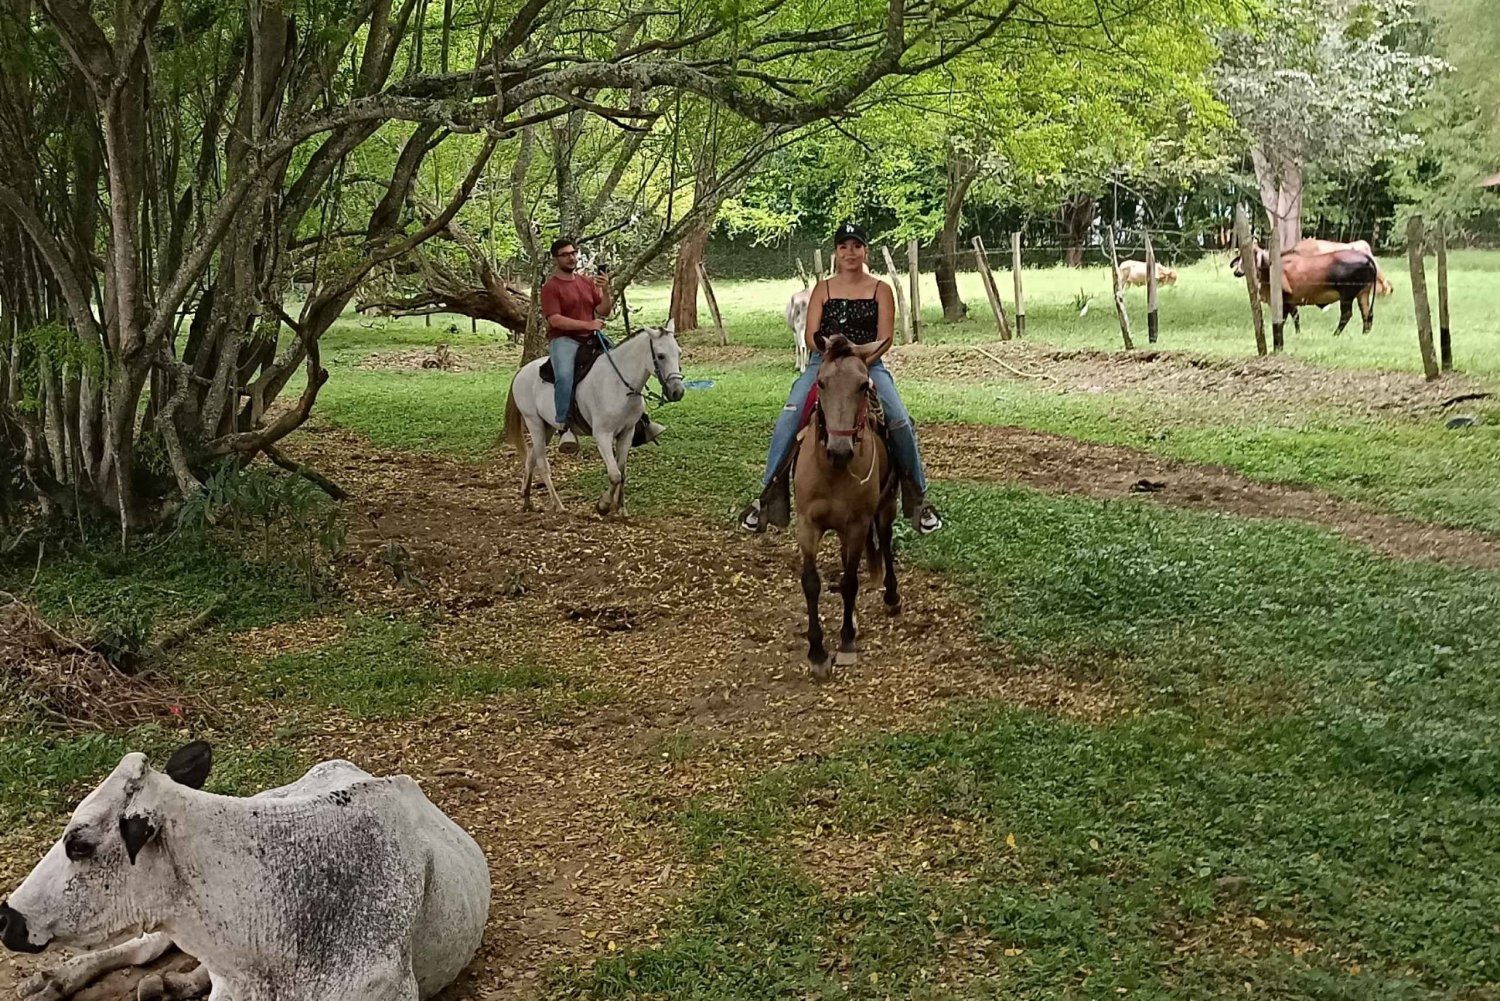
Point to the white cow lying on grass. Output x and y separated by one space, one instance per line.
796 318
338 887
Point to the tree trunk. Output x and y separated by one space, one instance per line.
962 171
691 251
1280 182
1078 219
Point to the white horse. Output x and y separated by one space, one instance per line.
609 398
796 318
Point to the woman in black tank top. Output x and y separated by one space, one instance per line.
859 306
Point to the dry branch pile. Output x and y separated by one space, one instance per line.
64 681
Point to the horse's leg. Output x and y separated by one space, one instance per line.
853 549
811 585
540 434
888 551
1367 306
528 467
606 443
622 453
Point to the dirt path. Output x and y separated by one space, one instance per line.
682 647
1059 464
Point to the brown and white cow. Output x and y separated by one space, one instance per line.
1340 276
1313 247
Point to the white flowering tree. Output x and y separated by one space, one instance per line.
1322 84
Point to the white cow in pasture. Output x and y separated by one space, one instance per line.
1135 273
796 318
338 887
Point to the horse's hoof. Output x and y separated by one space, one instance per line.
846 658
893 609
822 670
603 509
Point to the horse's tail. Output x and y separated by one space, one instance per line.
514 432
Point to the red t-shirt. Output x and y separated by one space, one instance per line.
574 298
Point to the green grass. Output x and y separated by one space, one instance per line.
384 669
161 579
1305 784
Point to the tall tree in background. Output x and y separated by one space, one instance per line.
186 164
1321 84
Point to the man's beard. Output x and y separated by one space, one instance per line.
568 269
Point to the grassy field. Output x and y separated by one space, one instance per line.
1292 792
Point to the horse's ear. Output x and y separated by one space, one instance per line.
866 352
671 326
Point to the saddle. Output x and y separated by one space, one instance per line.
589 352
776 499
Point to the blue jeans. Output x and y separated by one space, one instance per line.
564 354
905 456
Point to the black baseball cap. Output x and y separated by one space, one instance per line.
850 231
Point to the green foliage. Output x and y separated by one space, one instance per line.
284 509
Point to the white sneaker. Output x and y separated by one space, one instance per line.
567 443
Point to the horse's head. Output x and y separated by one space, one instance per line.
843 396
666 359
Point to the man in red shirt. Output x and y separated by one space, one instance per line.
574 307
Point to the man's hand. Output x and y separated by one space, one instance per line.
602 281
596 324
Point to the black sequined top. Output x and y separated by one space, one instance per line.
856 319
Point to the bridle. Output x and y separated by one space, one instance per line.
655 367
861 419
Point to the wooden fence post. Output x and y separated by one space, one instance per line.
1114 278
1151 318
802 273
916 290
1251 268
1445 334
818 265
1414 247
713 304
895 279
982 264
1278 302
1015 267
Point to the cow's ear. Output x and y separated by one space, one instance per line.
136 831
191 764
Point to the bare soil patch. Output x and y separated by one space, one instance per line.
1184 378
1059 464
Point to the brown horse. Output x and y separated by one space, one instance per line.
844 484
